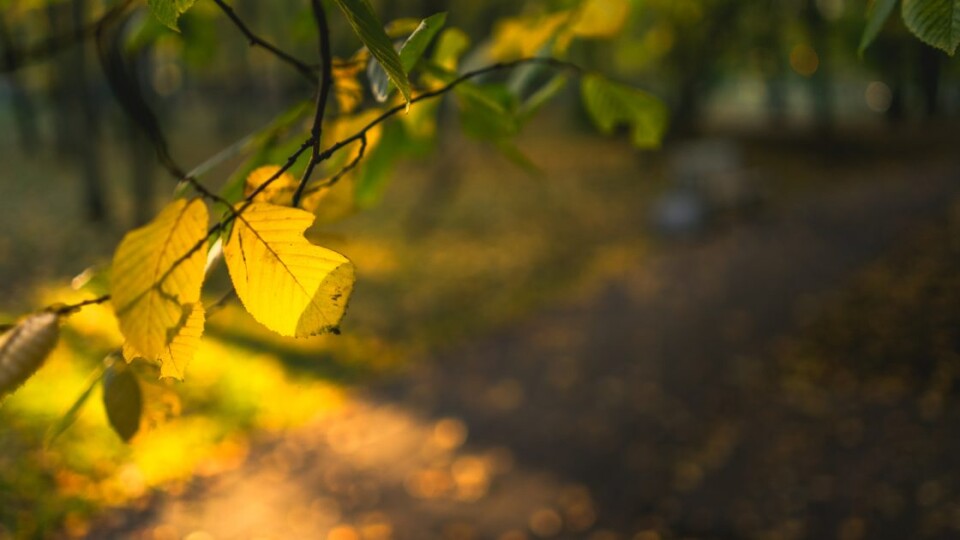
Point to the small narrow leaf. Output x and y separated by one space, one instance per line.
541 96
168 12
123 400
877 15
611 104
935 22
415 45
410 53
73 412
157 275
287 284
369 29
24 347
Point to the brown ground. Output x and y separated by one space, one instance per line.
684 395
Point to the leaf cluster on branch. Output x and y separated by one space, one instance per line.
255 224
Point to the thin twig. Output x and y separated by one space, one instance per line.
73 308
350 166
500 66
326 81
206 193
255 41
344 170
221 303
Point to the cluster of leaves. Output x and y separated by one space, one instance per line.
288 284
935 22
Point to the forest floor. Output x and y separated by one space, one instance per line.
787 375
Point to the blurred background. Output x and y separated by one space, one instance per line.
750 332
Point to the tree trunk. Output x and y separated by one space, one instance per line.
86 131
820 82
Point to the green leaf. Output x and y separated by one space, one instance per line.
369 29
169 11
877 15
541 96
415 45
612 104
123 400
410 53
377 165
488 111
935 22
287 284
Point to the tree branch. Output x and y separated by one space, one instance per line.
500 66
326 81
309 72
313 142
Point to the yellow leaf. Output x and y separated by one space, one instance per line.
524 36
347 87
157 280
183 345
280 191
332 203
286 283
600 18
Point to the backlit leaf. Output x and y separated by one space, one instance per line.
347 89
157 275
935 22
287 284
24 347
451 45
877 15
169 11
600 18
183 343
369 29
123 400
612 104
525 36
280 190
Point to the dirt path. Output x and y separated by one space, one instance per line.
650 409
